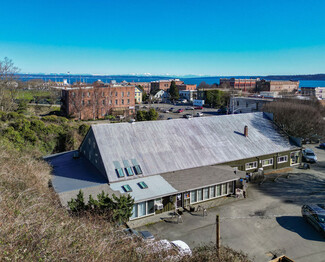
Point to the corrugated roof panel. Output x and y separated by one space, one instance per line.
166 146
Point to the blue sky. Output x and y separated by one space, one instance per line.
238 37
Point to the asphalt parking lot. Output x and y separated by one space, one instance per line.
161 107
268 222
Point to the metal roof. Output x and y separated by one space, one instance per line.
194 178
178 144
157 187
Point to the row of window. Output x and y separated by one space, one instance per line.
104 102
143 209
266 162
211 192
103 94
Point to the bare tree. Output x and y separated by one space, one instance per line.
298 118
77 101
8 84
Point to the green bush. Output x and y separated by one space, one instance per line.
83 129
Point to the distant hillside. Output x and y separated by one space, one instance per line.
295 77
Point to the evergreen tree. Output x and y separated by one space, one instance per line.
123 207
78 204
173 91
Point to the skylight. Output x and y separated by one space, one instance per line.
119 172
137 170
127 188
129 171
142 185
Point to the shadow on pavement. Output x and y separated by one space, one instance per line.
295 188
301 227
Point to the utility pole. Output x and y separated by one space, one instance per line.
217 235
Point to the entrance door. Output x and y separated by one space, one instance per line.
186 200
294 158
179 200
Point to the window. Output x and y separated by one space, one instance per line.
115 93
88 102
127 188
237 103
82 94
137 170
212 191
103 102
102 93
230 187
128 101
110 102
73 94
122 94
199 195
88 94
128 93
116 102
267 162
119 172
224 189
193 196
246 104
142 185
206 193
122 101
142 209
251 165
135 211
83 102
282 159
218 190
129 171
151 207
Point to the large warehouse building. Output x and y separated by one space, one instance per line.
172 163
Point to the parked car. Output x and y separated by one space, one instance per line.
189 108
169 118
198 107
308 155
315 215
171 109
166 111
187 116
322 145
182 247
198 114
180 110
146 235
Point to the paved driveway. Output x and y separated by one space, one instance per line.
267 222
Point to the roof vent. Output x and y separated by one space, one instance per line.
246 131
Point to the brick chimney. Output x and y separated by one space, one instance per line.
246 131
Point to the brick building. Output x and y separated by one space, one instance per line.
164 84
145 85
185 87
277 86
246 85
98 101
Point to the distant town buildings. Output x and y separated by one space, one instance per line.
318 92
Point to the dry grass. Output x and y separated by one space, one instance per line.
34 227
